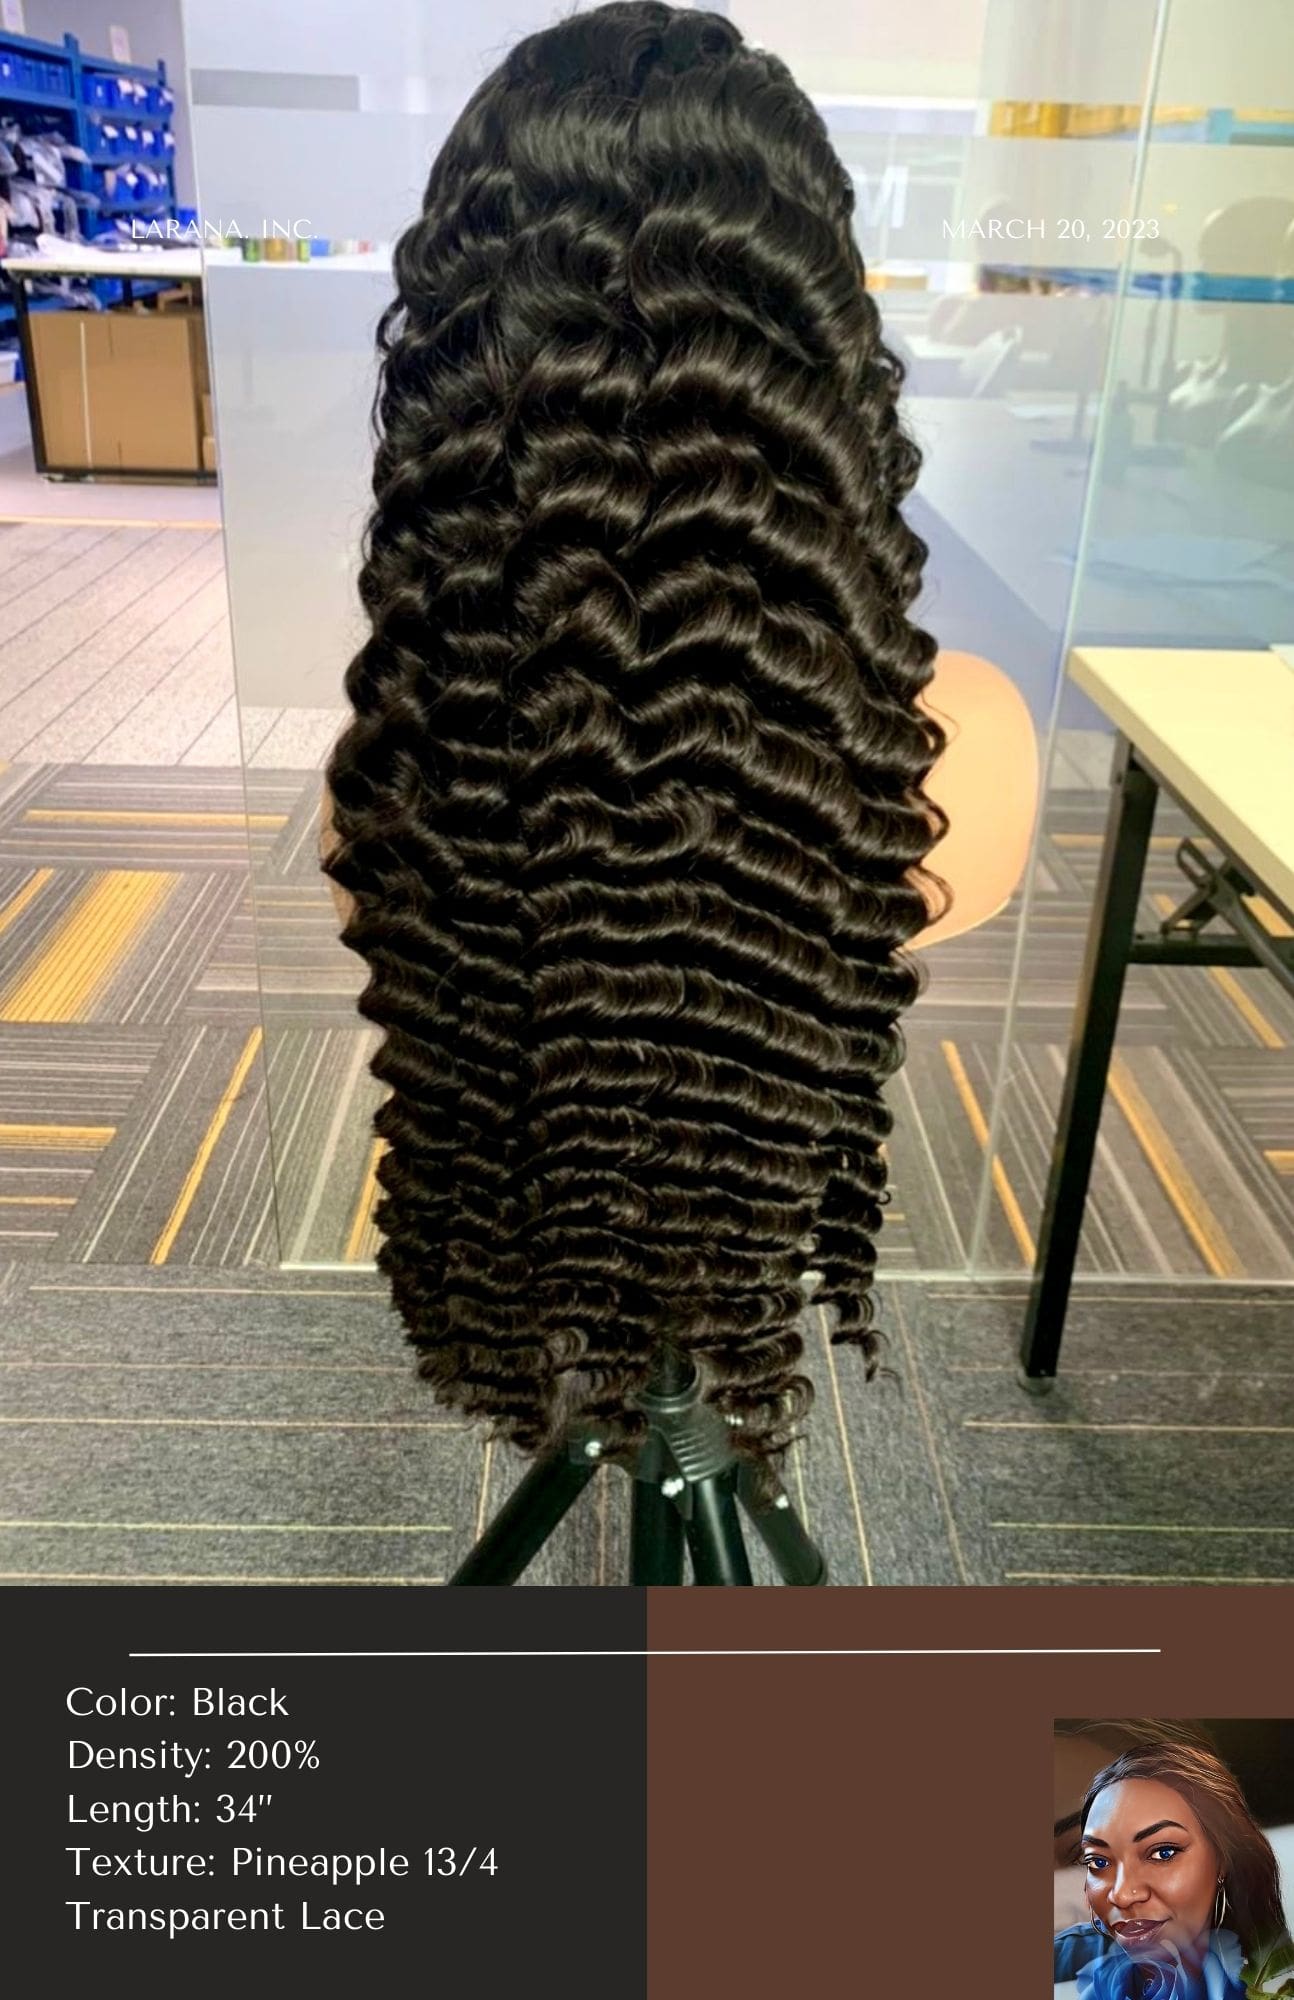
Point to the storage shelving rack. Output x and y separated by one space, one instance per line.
74 93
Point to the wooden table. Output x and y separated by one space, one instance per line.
1215 732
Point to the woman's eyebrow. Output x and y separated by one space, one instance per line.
1094 1839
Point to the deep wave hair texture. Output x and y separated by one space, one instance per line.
631 805
1244 1853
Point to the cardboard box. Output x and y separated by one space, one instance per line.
208 454
197 323
119 389
208 425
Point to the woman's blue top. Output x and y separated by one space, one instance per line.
1103 1970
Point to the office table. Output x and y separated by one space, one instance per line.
1214 731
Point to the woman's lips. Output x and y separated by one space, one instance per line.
1140 1931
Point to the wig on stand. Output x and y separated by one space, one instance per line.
631 806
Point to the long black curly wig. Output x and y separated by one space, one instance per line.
631 805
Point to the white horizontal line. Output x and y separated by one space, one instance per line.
1116 1368
1120 1576
1125 1289
161 1288
1195 1430
161 1576
665 1653
230 1367
243 1527
1137 1528
246 1423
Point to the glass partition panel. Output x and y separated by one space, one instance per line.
990 144
994 149
1190 543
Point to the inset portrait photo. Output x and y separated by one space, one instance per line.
1174 1859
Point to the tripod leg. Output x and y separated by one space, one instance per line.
714 1532
782 1532
526 1519
656 1536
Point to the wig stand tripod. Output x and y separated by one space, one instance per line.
689 1487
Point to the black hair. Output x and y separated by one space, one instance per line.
631 807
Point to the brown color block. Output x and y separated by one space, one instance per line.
882 1825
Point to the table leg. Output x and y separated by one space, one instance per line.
1109 938
22 316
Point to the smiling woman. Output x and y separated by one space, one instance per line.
1180 1881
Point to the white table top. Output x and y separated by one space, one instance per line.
80 259
1219 727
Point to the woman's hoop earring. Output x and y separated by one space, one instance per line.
1097 1925
1220 1914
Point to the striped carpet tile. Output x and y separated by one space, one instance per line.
184 1425
187 1179
124 897
64 1095
1164 1453
130 817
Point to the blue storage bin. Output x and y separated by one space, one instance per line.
6 67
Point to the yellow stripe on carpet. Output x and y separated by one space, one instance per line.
361 1244
1247 1008
979 1126
1198 1219
1270 918
57 1138
201 1159
14 908
93 939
